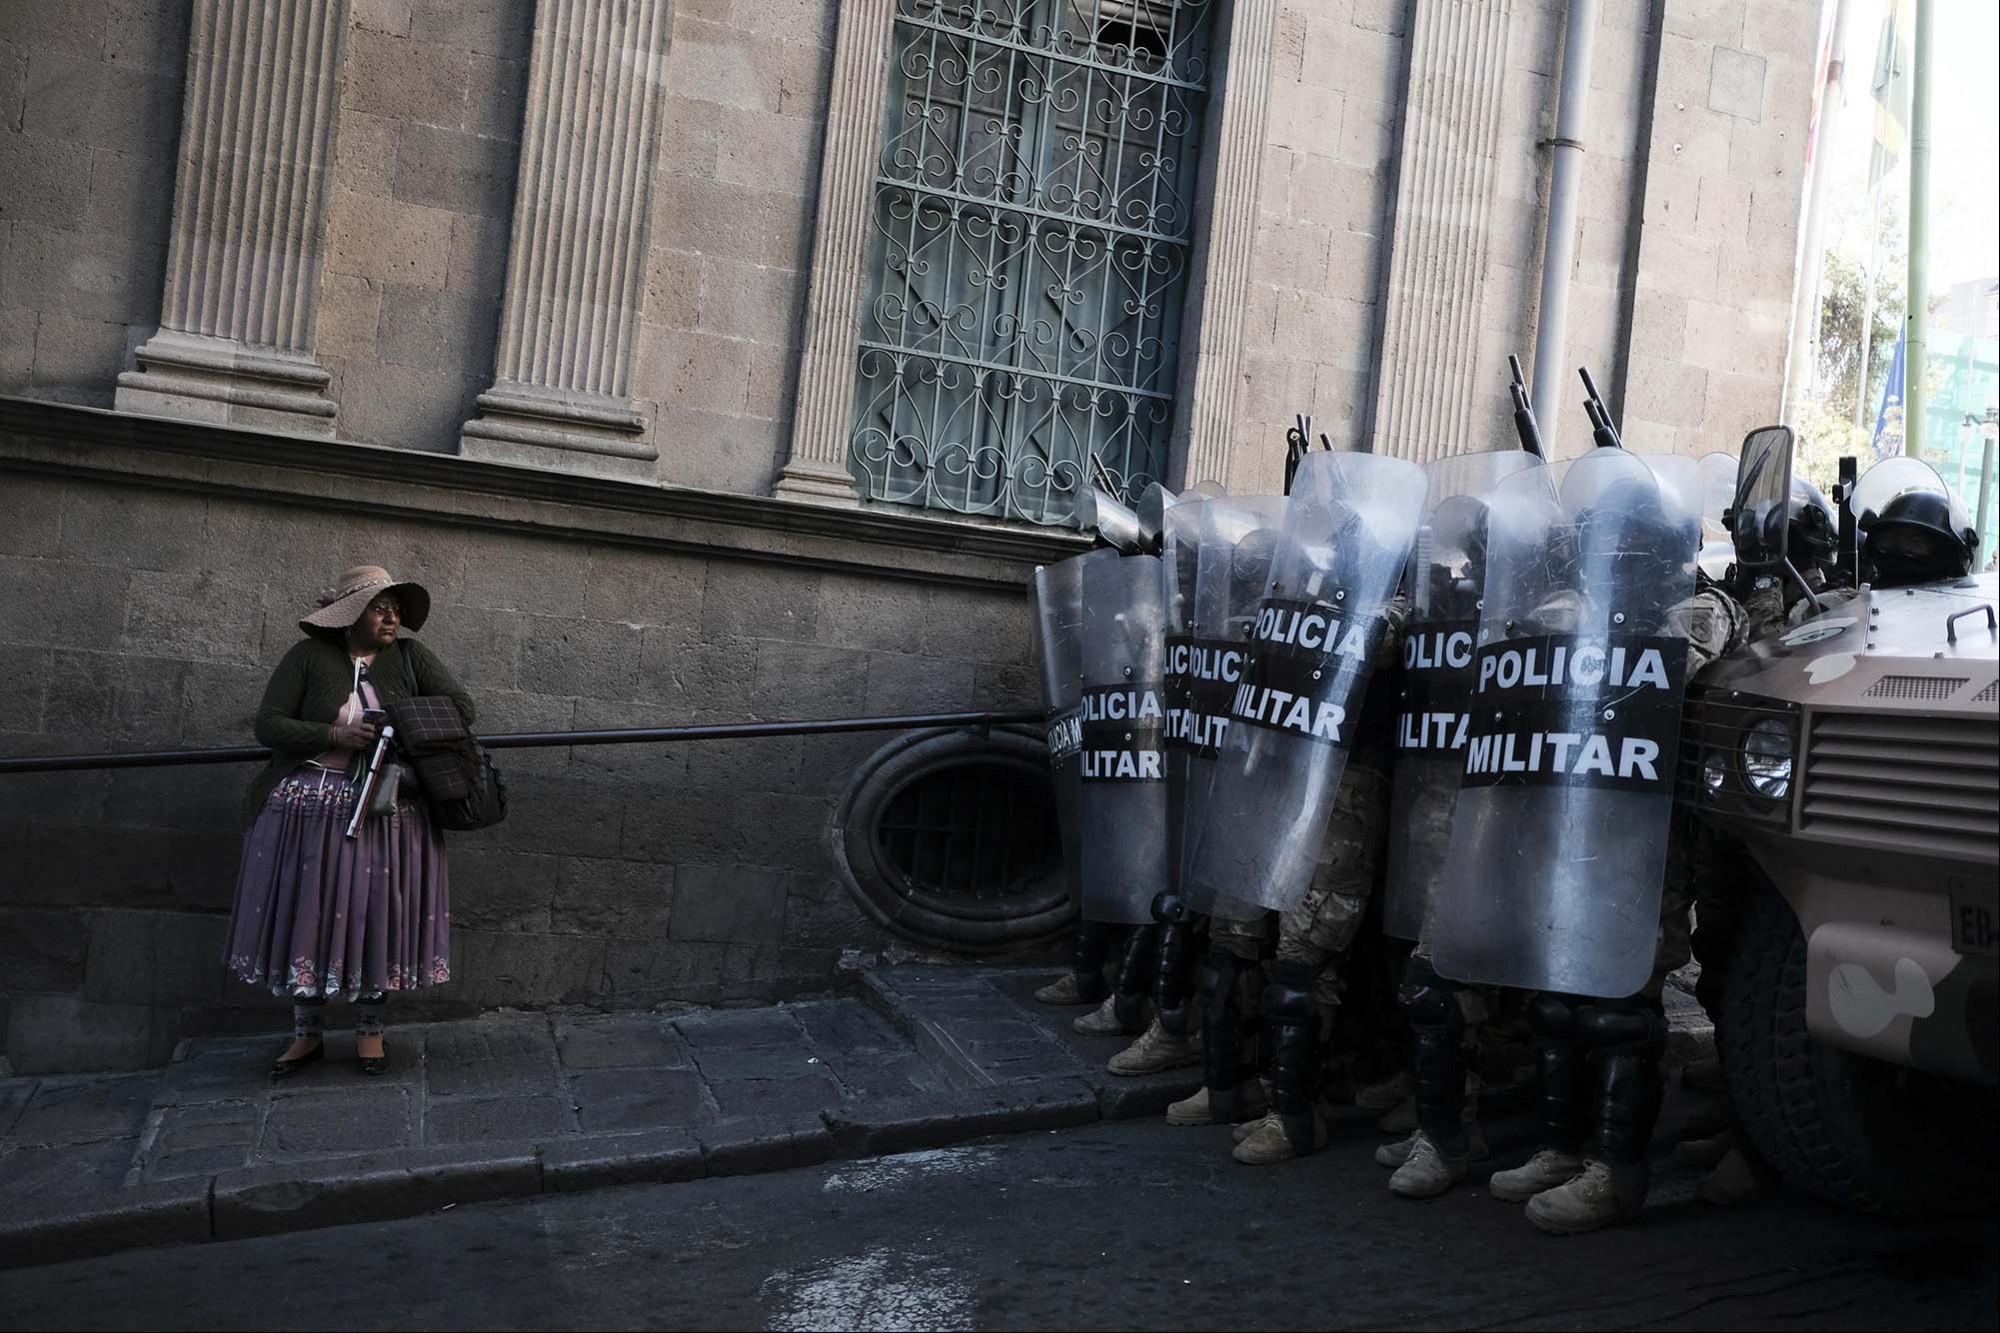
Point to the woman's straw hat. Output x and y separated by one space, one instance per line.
341 605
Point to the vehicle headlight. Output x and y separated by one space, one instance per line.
1767 758
1714 772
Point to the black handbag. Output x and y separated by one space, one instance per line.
462 787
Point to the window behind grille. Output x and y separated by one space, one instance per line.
1029 246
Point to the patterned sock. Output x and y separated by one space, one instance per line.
308 1019
368 1011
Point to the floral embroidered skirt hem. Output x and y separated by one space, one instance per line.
322 915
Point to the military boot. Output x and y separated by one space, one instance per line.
1390 1093
1246 1127
1230 1092
1428 1171
1548 1169
1628 1036
1103 1021
1156 1051
1293 1024
1085 984
1270 1141
1251 1102
1397 1153
1063 990
1605 1192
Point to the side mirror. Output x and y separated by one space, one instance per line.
1758 513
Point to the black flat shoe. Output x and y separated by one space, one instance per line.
375 1064
284 1069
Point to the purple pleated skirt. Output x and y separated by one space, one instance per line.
320 914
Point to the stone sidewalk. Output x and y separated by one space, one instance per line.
515 1104
512 1105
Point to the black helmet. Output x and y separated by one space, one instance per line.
1812 527
1918 536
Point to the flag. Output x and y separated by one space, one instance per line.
1888 439
1890 87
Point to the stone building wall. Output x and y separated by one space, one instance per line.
90 112
147 593
151 569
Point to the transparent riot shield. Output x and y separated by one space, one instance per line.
1346 535
1180 561
1446 581
1237 540
1552 880
1057 597
1122 726
1718 489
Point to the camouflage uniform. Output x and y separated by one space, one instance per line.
1321 929
1714 621
1303 990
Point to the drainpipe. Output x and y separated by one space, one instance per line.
1559 250
1916 296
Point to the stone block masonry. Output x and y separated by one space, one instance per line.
146 611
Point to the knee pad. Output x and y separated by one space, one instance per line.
1136 958
1552 1017
1291 1024
1172 983
1622 1027
1135 973
1428 999
1088 951
1288 994
1220 977
1169 908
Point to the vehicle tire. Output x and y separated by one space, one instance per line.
1854 1131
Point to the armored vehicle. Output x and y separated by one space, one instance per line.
1850 757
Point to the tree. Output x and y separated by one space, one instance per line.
1843 294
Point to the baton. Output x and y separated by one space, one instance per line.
1525 425
370 781
1601 428
1298 442
1102 475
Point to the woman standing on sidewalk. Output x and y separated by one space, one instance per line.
319 915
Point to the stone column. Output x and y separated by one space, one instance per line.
1235 161
576 261
1446 185
817 471
235 343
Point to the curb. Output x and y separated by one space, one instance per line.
388 1186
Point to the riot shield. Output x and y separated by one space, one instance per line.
1057 596
1180 561
1718 489
1446 581
1236 541
1122 736
1293 717
1559 837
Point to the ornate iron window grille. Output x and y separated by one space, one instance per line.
1029 251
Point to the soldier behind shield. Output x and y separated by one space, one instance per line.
1448 576
1316 931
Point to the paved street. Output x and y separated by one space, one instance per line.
1110 1226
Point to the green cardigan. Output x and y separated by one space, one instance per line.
307 690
